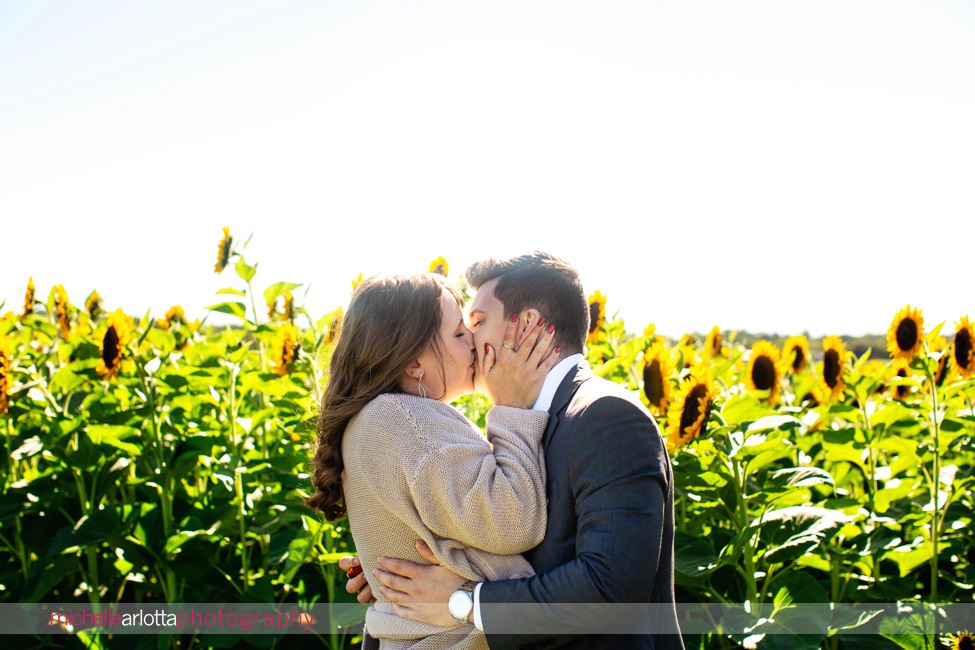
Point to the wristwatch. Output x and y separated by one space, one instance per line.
461 603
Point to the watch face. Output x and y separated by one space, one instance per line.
460 604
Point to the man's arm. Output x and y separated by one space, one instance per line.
619 480
619 476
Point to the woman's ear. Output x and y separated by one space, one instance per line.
415 369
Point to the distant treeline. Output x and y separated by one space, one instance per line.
858 345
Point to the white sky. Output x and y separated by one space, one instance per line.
774 166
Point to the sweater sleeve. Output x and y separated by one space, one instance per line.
490 496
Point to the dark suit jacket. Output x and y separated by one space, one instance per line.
610 535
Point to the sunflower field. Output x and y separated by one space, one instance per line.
159 459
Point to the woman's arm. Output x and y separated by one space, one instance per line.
491 499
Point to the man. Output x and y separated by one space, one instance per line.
609 542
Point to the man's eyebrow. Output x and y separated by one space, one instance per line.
477 311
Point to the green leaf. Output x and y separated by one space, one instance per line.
279 289
791 532
244 270
114 436
65 381
231 291
793 477
695 557
233 308
773 422
909 557
173 542
89 531
743 408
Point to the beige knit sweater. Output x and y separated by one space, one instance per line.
416 468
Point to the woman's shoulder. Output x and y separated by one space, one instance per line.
399 410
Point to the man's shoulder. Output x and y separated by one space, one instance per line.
606 394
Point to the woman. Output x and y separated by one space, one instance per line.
405 465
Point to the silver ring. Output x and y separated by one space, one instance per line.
509 346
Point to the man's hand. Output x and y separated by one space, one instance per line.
357 584
418 592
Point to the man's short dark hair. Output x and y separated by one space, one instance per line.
544 282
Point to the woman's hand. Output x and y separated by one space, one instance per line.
514 374
356 584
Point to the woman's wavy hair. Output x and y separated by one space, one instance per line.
390 321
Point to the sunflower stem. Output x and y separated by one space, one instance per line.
936 478
751 586
871 457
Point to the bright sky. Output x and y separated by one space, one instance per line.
774 166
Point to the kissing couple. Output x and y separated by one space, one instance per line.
553 527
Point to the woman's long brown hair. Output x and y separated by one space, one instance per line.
390 321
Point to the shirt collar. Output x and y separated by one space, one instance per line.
553 379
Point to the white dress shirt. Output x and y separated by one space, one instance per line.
543 403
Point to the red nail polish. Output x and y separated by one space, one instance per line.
551 329
486 348
353 572
557 350
541 321
514 318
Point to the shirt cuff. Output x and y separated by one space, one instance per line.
477 607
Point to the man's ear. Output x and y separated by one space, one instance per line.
527 320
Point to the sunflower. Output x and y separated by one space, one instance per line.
29 299
289 307
223 251
174 316
356 283
795 352
902 391
658 367
814 397
834 356
764 371
60 297
116 337
688 413
712 343
438 266
335 326
964 354
93 305
944 364
961 641
6 354
905 336
650 331
597 317
284 348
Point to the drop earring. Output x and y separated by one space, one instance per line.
419 386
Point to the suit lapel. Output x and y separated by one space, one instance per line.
570 384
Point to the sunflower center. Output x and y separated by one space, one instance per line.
692 407
902 391
907 334
966 642
831 368
963 348
799 360
593 316
111 353
653 382
763 373
939 376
